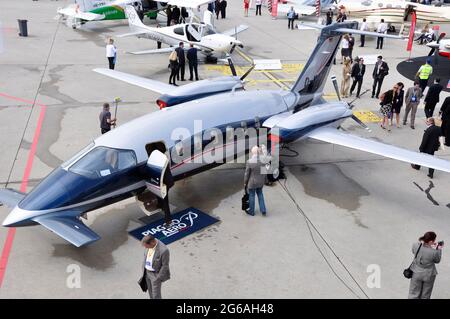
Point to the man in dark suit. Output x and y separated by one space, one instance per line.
176 13
430 143
193 62
432 97
358 70
156 265
163 203
380 70
223 8
181 61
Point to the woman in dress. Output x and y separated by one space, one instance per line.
397 103
346 75
387 99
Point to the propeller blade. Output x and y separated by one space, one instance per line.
230 63
232 48
248 72
335 84
357 120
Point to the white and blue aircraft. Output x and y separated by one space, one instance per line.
123 162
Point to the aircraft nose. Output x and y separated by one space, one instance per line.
13 218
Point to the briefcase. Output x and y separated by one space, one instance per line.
245 202
143 282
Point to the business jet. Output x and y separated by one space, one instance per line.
132 158
201 35
83 11
393 12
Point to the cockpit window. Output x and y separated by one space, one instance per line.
103 161
77 155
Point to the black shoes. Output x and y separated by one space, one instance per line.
415 167
430 176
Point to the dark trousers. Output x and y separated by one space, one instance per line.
193 68
429 108
163 203
380 42
430 170
181 71
173 75
423 84
111 62
363 40
258 9
217 13
377 83
159 44
291 23
357 80
223 12
105 130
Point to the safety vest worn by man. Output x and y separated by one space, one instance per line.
425 71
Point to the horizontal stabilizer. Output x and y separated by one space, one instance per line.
68 227
332 135
232 32
153 51
370 33
10 197
142 82
73 13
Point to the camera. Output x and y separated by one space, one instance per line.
441 243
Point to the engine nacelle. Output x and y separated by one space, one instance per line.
199 89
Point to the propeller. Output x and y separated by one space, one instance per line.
351 106
233 69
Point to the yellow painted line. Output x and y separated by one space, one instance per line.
367 116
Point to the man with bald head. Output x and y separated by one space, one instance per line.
254 181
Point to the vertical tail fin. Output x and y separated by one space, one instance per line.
134 21
312 79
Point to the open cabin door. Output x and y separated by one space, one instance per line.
192 33
157 164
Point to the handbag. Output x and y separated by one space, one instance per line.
408 273
245 201
143 282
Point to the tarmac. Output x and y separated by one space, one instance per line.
340 219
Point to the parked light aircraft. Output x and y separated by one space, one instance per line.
117 165
304 7
201 35
98 10
393 12
442 46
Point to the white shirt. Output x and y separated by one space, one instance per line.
110 51
345 43
364 26
382 28
149 259
258 2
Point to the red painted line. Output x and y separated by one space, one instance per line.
15 98
7 247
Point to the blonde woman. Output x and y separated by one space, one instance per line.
173 65
111 53
346 75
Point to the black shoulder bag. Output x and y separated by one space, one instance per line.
408 273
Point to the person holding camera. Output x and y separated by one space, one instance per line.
428 254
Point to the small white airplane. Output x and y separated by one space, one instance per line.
303 7
393 12
201 35
83 11
441 45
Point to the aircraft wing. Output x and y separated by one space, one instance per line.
186 3
88 16
145 83
153 51
232 32
68 227
123 35
298 8
332 135
10 197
